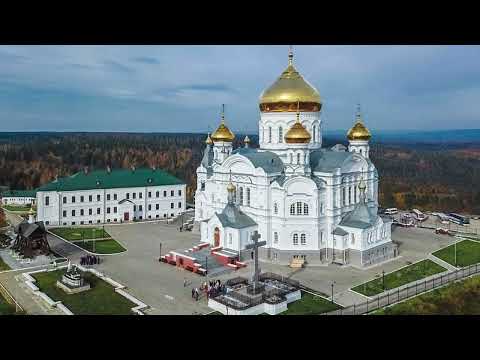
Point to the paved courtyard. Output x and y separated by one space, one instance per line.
161 285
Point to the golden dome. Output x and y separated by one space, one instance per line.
230 187
297 134
246 140
289 88
359 131
223 133
31 212
209 140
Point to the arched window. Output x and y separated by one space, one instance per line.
343 197
269 134
349 195
275 237
321 208
248 196
291 158
275 208
355 194
353 238
295 239
305 209
229 239
292 209
298 158
314 137
303 239
361 153
299 208
280 134
241 196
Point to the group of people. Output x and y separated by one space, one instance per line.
89 260
212 288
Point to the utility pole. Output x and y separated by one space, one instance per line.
383 279
333 283
455 252
160 252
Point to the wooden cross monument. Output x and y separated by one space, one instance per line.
256 244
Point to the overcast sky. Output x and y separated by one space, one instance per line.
181 88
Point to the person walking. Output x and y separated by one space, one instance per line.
193 293
184 282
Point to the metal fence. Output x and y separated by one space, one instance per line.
10 299
396 295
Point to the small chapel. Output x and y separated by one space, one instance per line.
306 201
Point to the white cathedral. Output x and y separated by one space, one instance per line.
305 201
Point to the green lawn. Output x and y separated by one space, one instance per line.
80 233
6 308
310 305
19 208
400 277
460 298
108 246
468 253
3 266
99 300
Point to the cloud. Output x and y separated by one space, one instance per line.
420 87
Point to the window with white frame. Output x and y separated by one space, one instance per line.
314 137
229 239
305 209
303 239
295 239
299 208
275 208
248 196
241 196
349 195
269 134
280 134
353 238
343 197
275 237
298 158
355 194
292 209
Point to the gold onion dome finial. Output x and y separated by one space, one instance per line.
31 212
283 94
230 186
297 134
209 140
246 140
359 131
223 133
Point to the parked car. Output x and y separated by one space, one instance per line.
442 231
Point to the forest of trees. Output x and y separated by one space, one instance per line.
411 175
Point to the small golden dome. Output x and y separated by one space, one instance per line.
359 131
209 140
31 212
297 134
246 140
289 88
230 187
223 133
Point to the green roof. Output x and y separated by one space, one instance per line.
19 193
117 178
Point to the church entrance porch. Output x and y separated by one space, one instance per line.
126 216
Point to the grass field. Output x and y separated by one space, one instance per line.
18 208
6 308
400 277
460 298
3 266
109 246
468 253
99 300
310 305
81 233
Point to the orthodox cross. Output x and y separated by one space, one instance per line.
256 244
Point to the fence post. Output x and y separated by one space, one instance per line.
388 297
353 308
378 302
367 305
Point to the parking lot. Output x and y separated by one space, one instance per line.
161 285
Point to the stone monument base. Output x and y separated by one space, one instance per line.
73 290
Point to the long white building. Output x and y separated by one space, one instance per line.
110 196
306 201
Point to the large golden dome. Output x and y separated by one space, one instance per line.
359 131
223 133
287 90
297 134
